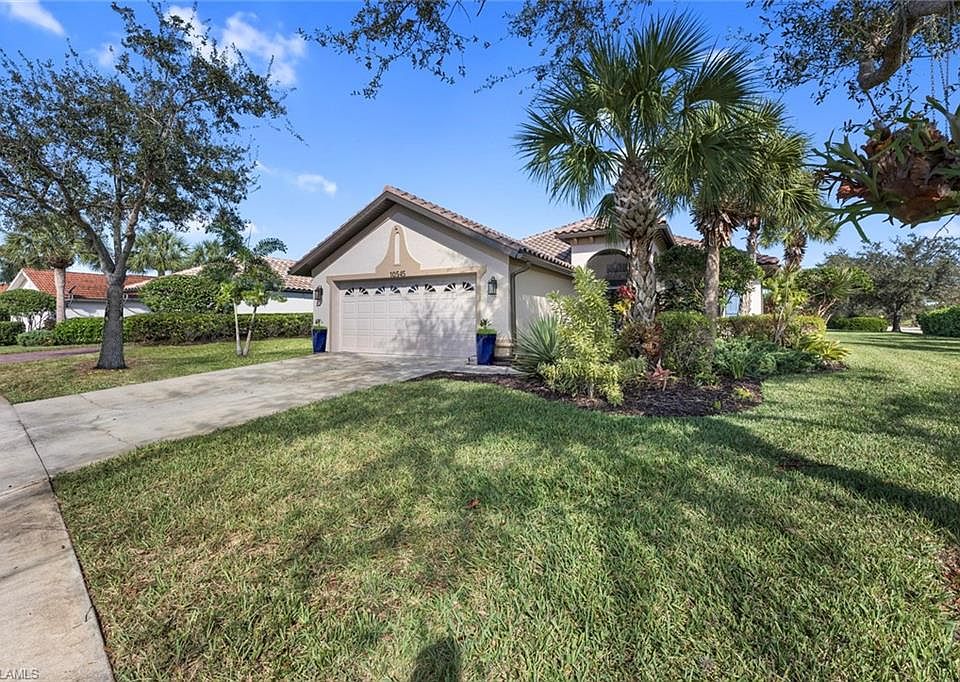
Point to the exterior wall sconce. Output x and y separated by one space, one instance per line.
492 286
318 296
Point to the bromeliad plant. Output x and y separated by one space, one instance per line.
909 170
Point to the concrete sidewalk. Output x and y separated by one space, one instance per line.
48 628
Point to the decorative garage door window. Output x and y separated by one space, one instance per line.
422 289
458 286
384 291
357 291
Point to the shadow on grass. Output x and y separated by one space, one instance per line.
438 662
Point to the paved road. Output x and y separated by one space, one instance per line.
48 629
32 355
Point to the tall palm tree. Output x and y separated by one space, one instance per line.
207 251
159 250
46 241
606 121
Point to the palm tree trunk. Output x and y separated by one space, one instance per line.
60 285
111 346
716 231
637 215
753 237
794 249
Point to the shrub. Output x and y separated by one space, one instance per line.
858 324
177 328
182 294
9 332
941 322
741 357
823 348
34 307
78 330
538 345
680 274
585 331
761 327
640 340
687 344
37 337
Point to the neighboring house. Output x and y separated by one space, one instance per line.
86 292
298 291
405 276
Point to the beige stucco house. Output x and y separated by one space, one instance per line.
405 276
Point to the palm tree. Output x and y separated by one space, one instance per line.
207 251
46 241
796 237
606 121
159 250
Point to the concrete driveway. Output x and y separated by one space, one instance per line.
72 431
48 627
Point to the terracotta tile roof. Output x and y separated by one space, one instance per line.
3 287
548 243
504 240
79 285
280 265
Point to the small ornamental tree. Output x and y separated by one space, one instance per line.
681 271
156 141
182 294
244 275
828 287
33 308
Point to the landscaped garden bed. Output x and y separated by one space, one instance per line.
679 399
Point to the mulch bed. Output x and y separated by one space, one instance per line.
680 399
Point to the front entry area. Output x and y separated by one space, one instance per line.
427 316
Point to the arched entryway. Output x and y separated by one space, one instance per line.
610 265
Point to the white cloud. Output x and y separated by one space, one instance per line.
311 182
281 53
106 55
285 52
31 12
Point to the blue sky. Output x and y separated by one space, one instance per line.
451 144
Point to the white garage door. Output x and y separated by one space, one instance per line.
429 316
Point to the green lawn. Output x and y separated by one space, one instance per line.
797 541
76 374
16 348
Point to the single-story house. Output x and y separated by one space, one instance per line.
298 291
86 292
405 276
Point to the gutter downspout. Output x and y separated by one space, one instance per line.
513 304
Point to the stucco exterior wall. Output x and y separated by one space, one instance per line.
87 308
533 288
431 245
297 302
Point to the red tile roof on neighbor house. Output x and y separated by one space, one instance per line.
79 285
281 266
3 287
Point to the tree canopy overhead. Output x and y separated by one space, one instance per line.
154 141
434 35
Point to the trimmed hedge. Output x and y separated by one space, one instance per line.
177 328
941 322
182 294
686 343
37 337
858 324
760 327
9 332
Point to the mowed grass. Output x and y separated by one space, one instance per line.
78 374
444 530
16 348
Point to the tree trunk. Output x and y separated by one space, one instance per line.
637 215
753 236
246 346
711 288
111 347
60 285
236 329
795 247
895 321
